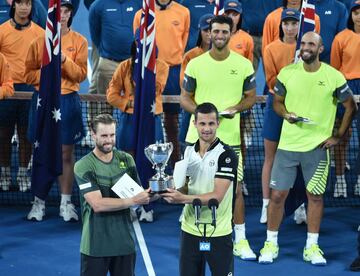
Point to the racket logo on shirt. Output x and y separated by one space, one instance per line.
70 49
321 83
212 163
175 23
233 72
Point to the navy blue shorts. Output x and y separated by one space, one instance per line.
72 129
15 111
355 88
272 122
125 131
172 88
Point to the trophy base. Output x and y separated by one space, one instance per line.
159 186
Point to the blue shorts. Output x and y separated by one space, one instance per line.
15 111
355 88
172 88
272 122
72 129
125 131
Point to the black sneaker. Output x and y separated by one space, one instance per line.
355 266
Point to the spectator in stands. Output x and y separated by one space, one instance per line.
6 82
344 50
16 35
333 16
240 42
277 55
74 2
272 22
172 30
112 39
253 18
38 12
197 9
202 46
74 49
121 94
108 238
205 76
304 90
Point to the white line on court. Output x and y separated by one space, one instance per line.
143 248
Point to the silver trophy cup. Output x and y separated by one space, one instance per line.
159 155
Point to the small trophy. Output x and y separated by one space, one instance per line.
159 154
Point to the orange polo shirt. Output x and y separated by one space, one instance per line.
171 32
73 70
242 43
272 25
189 55
345 51
121 91
14 45
6 83
276 56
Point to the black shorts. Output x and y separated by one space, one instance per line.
100 266
220 258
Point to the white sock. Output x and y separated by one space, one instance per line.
312 238
358 180
265 202
340 179
39 201
5 171
239 230
272 236
65 198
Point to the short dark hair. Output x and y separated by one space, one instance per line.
102 118
220 19
206 108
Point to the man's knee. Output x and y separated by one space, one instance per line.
278 197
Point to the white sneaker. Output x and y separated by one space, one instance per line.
340 189
268 253
5 178
146 216
181 215
23 179
68 212
242 249
300 215
87 141
263 218
37 211
314 255
133 215
244 189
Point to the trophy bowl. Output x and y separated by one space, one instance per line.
159 154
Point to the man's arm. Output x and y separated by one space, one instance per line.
350 110
106 204
220 188
187 100
246 103
279 103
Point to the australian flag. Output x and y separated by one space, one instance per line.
47 158
144 76
219 7
297 194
